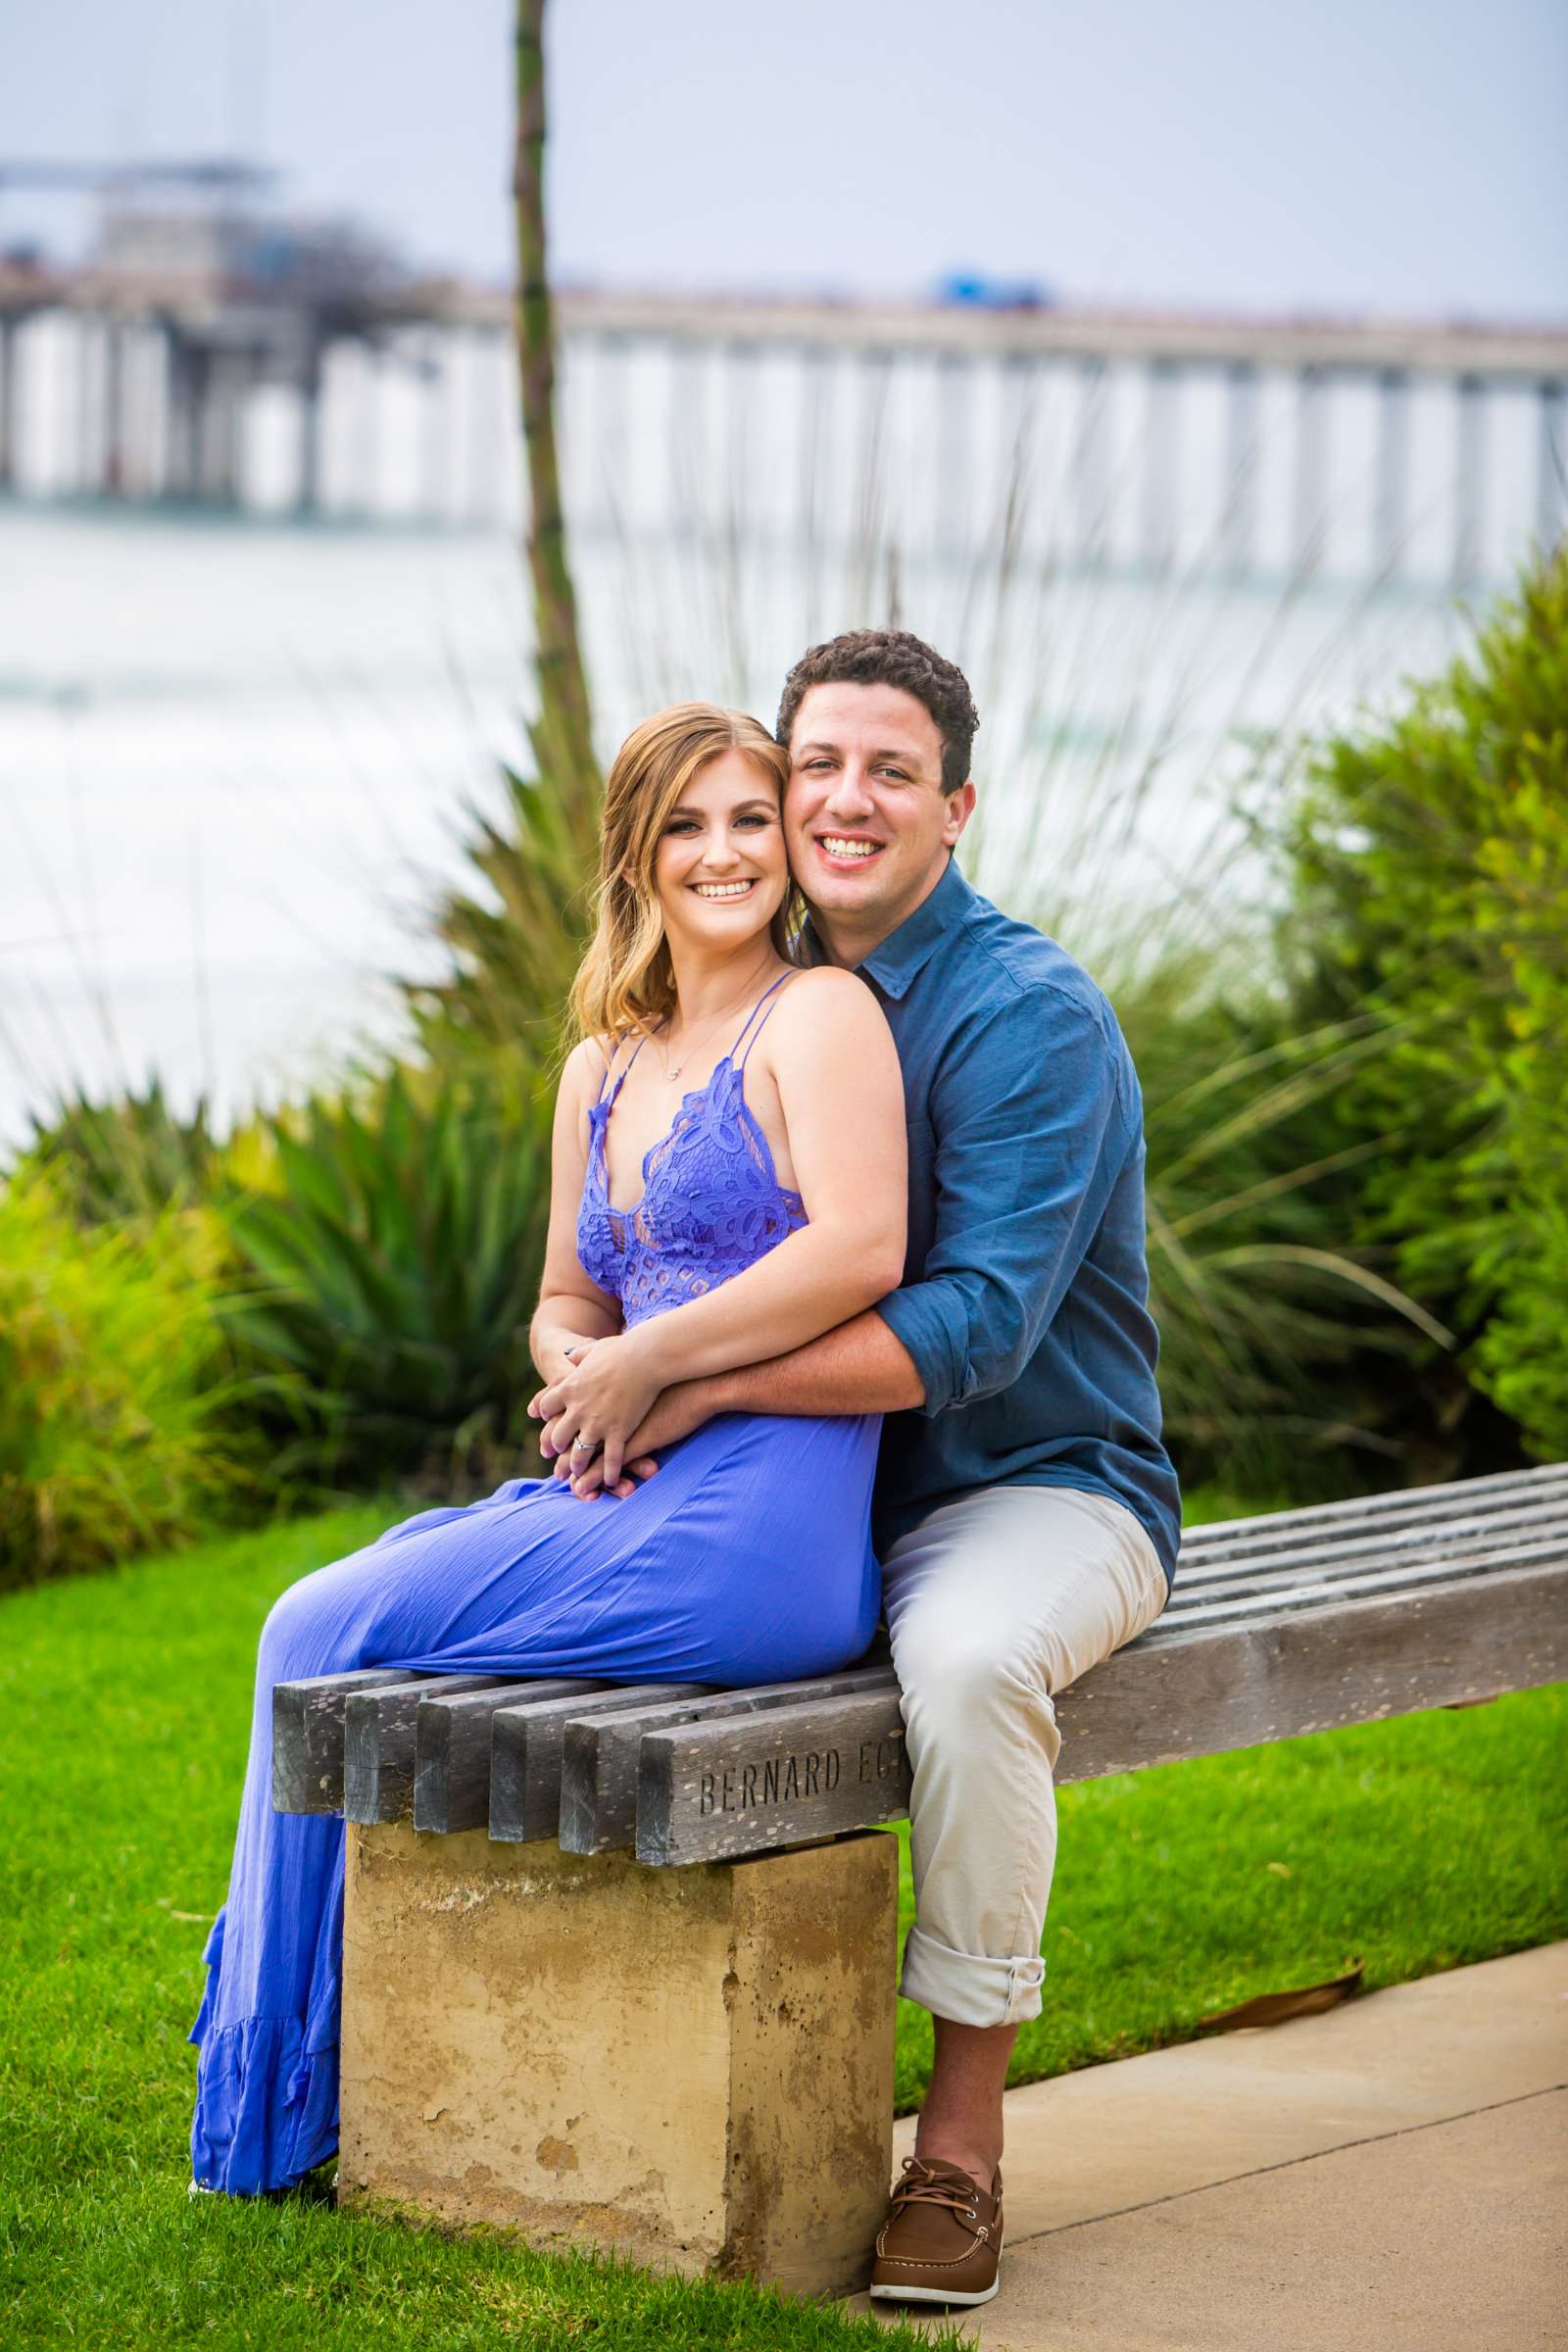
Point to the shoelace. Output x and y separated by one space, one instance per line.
919 2185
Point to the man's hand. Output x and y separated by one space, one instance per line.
675 1413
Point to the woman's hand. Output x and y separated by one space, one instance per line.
588 1482
597 1404
555 1352
562 1350
676 1413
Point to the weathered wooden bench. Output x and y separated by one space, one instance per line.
618 1962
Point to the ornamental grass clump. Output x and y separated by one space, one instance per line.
1281 1343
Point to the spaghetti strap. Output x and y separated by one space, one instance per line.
609 1065
751 1041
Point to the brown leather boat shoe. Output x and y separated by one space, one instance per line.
942 2240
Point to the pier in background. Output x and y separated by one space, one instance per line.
196 364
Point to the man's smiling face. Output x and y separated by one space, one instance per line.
868 824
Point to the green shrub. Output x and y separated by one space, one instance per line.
115 1390
394 1260
1429 862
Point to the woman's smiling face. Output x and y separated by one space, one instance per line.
720 868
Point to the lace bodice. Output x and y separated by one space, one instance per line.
712 1203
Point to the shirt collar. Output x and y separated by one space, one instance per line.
907 951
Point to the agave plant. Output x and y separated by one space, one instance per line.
395 1269
130 1157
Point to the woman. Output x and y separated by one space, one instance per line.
728 1182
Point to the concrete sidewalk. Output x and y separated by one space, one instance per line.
1393 2175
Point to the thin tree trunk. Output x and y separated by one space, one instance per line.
516 946
563 736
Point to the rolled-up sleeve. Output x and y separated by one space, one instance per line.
1031 1124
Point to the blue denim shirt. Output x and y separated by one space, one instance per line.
1025 1286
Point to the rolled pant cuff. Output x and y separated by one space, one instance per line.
969 1989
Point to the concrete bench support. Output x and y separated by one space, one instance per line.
691 2067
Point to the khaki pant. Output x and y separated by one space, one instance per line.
993 1603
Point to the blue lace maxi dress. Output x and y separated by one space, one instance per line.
747 1559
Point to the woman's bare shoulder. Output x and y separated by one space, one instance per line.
826 1001
826 994
583 1070
824 989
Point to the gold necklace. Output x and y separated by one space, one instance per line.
674 1069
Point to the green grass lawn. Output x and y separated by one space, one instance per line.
1412 1846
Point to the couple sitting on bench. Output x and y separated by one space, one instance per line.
839 1142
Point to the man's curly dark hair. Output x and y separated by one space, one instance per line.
891 658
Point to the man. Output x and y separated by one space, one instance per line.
1027 1515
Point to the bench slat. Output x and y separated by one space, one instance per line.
1401 1503
525 1754
1282 1600
601 1761
452 1750
308 1735
378 1744
1469 1539
708 1792
1419 1534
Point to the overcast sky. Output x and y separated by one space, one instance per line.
1385 155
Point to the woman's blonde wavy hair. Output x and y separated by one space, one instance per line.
625 980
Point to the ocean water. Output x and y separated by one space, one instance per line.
235 753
